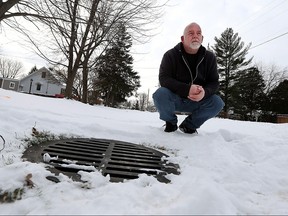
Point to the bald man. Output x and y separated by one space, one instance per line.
189 81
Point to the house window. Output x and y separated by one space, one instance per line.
12 85
43 75
38 87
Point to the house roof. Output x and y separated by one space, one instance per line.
11 79
43 69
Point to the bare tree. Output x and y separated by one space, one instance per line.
78 31
273 75
143 101
11 9
81 29
10 68
5 7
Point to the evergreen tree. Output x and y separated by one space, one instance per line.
248 94
116 77
33 69
230 54
279 98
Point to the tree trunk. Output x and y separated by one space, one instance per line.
85 83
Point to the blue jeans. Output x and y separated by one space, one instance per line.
167 103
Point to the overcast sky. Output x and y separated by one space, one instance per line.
256 21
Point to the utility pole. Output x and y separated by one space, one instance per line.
147 98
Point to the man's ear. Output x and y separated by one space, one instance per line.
182 38
202 38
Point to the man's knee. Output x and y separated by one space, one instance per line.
218 102
161 93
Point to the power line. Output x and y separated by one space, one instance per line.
266 21
253 17
269 40
262 13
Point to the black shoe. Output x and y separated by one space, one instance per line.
170 127
187 130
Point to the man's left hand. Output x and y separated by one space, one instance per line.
197 96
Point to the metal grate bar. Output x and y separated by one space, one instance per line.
134 159
77 154
73 157
82 147
138 165
73 150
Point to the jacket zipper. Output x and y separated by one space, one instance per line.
188 69
198 66
192 80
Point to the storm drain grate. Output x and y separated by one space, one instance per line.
120 160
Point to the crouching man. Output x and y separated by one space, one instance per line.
189 80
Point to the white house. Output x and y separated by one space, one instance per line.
42 82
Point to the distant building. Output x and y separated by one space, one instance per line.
9 84
282 118
42 82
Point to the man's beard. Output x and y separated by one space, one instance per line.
195 45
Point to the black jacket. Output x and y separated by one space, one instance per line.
176 75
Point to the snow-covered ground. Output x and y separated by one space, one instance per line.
230 167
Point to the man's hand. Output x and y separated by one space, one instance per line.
196 93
